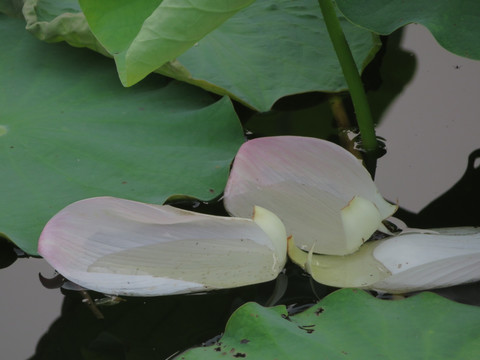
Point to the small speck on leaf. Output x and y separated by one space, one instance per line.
319 311
308 328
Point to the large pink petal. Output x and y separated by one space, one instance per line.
307 182
118 246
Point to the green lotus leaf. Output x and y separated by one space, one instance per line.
54 20
269 50
69 130
455 24
351 324
144 35
12 8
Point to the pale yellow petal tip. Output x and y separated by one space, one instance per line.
360 219
297 255
385 208
274 228
359 270
308 264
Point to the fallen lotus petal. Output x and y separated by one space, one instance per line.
420 261
399 264
358 270
320 191
123 247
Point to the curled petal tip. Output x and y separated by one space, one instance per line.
360 219
274 228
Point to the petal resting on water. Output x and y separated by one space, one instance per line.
402 263
317 188
123 247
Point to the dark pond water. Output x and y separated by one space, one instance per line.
431 130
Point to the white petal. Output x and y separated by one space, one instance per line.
402 263
422 261
306 182
125 247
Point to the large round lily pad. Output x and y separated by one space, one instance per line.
69 130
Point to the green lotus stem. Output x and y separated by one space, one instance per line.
350 71
343 124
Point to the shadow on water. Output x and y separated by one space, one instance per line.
137 328
156 327
388 74
459 206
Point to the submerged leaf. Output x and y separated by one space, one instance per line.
399 264
124 247
318 189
